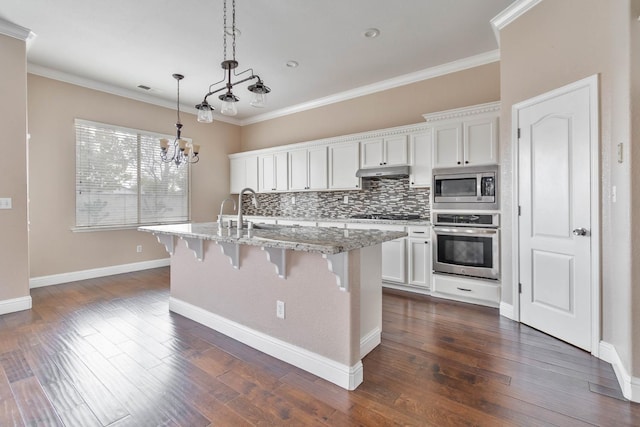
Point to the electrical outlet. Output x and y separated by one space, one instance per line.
293 200
139 248
5 203
614 195
345 200
280 309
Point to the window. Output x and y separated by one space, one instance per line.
121 181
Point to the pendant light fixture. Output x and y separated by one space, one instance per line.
182 151
229 100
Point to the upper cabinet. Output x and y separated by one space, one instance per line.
386 151
420 152
344 161
466 136
308 169
273 172
244 173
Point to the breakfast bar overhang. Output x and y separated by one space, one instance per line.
328 281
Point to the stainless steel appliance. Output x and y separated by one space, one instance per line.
466 244
466 188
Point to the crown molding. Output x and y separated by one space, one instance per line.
510 14
50 73
457 113
16 31
428 73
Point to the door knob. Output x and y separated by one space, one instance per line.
580 232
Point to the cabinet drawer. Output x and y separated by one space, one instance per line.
420 232
467 289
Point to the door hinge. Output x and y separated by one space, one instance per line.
519 288
519 210
518 133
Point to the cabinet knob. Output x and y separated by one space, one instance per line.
426 242
466 161
459 162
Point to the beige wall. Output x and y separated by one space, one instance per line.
634 150
556 43
14 250
394 107
52 107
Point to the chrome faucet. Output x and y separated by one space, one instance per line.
228 199
255 202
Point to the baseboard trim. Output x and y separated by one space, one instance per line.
74 276
15 304
630 385
370 341
348 377
506 310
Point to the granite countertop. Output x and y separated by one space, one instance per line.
414 222
307 239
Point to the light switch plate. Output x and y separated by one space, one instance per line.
5 203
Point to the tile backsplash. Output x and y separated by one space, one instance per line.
382 196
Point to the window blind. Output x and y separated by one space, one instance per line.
121 181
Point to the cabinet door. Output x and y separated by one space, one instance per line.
251 172
419 264
420 148
344 161
481 142
298 170
393 260
266 174
244 173
395 151
372 153
281 172
317 162
447 145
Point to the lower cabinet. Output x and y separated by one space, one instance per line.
419 265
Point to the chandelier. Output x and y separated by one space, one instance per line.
179 151
259 90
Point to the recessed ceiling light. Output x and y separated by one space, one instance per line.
292 64
371 33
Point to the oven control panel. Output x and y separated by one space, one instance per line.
467 219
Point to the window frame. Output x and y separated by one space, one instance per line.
138 133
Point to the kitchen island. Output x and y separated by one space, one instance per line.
307 295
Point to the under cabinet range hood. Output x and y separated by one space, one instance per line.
384 172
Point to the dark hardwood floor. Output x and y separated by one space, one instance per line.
107 352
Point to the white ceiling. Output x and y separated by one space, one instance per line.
116 45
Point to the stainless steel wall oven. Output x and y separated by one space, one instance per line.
467 244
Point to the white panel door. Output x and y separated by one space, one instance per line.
344 161
447 145
372 153
395 151
298 170
281 171
420 159
481 142
317 168
555 222
266 176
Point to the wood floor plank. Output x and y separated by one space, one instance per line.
108 352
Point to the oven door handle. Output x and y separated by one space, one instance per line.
465 230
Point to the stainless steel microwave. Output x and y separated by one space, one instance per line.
466 188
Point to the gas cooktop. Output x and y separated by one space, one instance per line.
392 217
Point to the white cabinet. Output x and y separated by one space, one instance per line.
394 252
387 151
419 259
466 136
308 169
273 172
244 173
420 151
344 161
